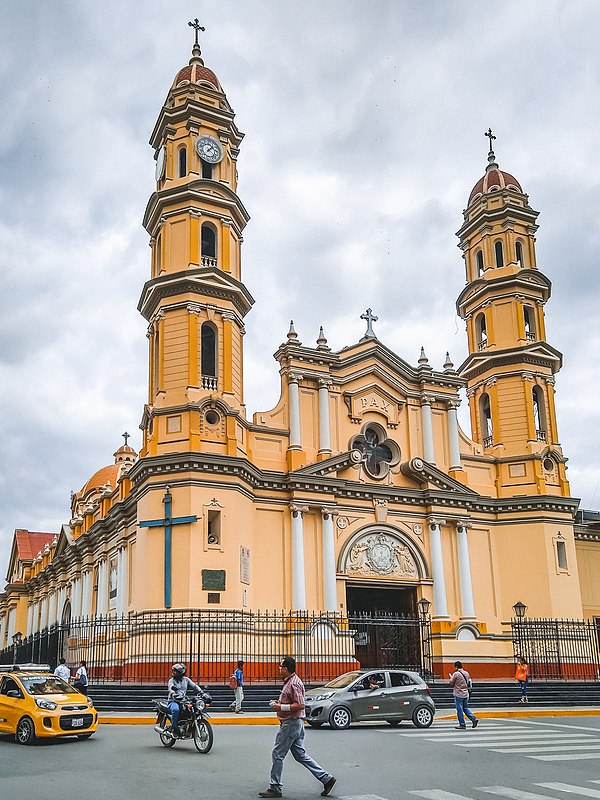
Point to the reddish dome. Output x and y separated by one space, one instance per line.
196 72
494 180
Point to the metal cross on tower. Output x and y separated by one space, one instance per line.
491 137
167 523
197 28
126 436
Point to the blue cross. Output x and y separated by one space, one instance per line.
167 522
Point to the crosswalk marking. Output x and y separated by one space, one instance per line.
525 743
547 748
439 794
569 757
514 794
567 787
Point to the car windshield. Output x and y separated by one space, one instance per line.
47 684
343 680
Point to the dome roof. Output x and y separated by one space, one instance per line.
196 72
494 179
100 478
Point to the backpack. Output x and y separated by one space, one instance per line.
233 682
83 679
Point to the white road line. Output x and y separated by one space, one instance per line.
362 797
567 787
556 725
571 757
519 734
490 745
459 738
440 794
546 748
514 794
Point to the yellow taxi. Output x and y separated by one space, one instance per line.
34 702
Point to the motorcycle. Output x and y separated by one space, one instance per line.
193 722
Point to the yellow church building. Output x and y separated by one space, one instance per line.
357 497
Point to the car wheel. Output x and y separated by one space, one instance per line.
393 722
422 717
25 733
340 718
84 735
314 724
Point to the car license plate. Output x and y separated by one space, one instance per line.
77 722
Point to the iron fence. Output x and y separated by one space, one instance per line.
140 648
566 649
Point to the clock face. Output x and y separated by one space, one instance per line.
209 149
160 164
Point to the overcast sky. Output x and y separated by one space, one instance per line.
364 127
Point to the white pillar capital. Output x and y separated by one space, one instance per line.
298 510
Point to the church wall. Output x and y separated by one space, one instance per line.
514 417
270 560
440 438
588 563
177 244
486 589
175 350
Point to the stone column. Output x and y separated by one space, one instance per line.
76 598
294 392
44 613
453 434
101 597
329 570
122 576
428 450
298 582
29 629
324 424
464 572
440 606
86 594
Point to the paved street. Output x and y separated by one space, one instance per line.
520 759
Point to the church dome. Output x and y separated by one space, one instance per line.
196 72
99 480
494 180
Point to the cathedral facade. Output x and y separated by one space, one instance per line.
358 492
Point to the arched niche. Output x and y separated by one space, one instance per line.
382 551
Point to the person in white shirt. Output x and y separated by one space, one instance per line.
81 678
62 671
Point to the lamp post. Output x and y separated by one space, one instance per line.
17 638
424 623
519 610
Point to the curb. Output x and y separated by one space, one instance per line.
106 719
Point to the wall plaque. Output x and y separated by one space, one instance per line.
213 580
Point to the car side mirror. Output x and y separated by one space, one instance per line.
13 693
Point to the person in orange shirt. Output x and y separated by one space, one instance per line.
522 677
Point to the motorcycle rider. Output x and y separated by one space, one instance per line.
177 688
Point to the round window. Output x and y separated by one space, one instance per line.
212 418
548 464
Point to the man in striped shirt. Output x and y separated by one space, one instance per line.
290 712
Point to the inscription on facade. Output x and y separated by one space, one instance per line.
380 554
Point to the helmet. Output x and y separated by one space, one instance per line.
178 670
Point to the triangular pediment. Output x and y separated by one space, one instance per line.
428 475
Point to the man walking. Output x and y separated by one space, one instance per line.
290 712
460 682
238 689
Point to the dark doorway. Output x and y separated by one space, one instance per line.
376 600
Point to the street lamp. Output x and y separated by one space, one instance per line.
424 605
520 609
17 637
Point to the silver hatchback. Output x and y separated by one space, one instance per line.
389 695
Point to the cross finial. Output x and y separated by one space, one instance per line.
197 28
126 436
491 137
370 319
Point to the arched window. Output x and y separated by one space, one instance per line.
499 254
481 332
182 157
519 254
539 413
208 358
528 315
479 261
208 241
207 170
485 415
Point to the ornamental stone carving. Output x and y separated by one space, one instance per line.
380 554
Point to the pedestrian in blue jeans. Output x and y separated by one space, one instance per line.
460 681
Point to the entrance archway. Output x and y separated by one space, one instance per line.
380 601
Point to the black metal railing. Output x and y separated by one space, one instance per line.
141 648
567 649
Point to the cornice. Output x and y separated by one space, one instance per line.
525 280
538 354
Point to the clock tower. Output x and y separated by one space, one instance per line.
195 301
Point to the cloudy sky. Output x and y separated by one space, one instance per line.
364 124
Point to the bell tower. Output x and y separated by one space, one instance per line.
195 301
511 367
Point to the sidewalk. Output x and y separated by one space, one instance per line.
253 718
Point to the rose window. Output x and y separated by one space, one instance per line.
375 452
